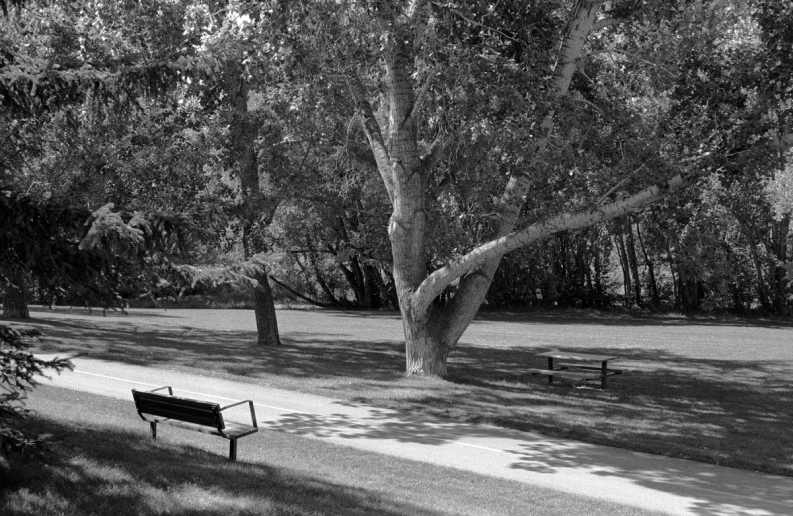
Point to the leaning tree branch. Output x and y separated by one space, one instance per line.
422 93
436 282
372 130
301 296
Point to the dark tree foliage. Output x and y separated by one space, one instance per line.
91 257
18 369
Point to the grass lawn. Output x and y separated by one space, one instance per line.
716 391
106 464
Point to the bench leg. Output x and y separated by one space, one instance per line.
153 425
233 449
604 373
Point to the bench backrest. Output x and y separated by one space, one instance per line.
199 412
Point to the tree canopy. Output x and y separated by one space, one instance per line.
433 155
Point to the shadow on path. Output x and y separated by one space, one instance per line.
709 490
715 410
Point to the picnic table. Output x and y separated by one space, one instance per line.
577 366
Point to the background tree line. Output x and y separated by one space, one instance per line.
427 156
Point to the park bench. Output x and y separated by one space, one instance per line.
197 415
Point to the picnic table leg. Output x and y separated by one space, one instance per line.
153 425
603 372
233 449
550 368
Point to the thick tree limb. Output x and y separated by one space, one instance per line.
443 277
578 29
372 130
301 296
422 94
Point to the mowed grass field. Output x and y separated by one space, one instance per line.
716 391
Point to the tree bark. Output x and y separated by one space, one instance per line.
15 303
651 281
427 351
255 204
264 312
780 233
633 262
619 240
762 292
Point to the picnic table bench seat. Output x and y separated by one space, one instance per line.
576 367
191 414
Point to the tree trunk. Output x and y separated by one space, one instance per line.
255 205
780 235
762 292
426 351
651 281
633 262
619 239
15 303
264 311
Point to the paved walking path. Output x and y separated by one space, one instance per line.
610 474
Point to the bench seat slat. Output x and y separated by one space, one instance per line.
609 372
232 429
565 372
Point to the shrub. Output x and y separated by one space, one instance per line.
18 369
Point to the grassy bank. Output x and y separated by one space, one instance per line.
104 463
712 391
93 471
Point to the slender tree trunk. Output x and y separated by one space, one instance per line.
651 281
598 274
762 292
633 262
673 270
15 303
619 240
780 235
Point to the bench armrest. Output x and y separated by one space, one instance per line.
170 391
250 403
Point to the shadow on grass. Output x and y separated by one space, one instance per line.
629 319
108 471
728 412
304 354
138 313
564 317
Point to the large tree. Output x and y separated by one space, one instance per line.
410 58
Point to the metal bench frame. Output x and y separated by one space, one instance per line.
198 415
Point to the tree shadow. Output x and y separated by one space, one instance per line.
629 319
709 490
304 354
712 410
110 471
98 312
